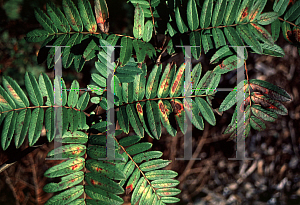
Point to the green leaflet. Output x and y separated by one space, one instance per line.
275 50
104 183
103 196
280 6
49 123
139 50
73 94
293 12
83 101
218 37
231 10
63 92
22 125
192 15
33 90
171 30
112 39
233 37
101 81
179 21
206 111
213 84
37 35
196 74
134 120
153 118
195 40
218 13
152 83
202 85
257 124
60 41
15 92
222 52
89 52
148 31
66 196
68 57
206 41
45 21
126 50
138 26
72 15
147 156
249 38
128 169
66 182
123 119
87 16
206 13
36 125
58 18
8 129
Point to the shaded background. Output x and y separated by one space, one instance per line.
273 177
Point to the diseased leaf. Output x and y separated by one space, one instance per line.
243 12
256 10
15 92
261 33
87 16
152 83
102 14
148 31
249 38
72 15
134 120
231 10
267 18
138 27
218 37
139 50
66 196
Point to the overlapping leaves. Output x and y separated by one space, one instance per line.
264 103
19 119
158 108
